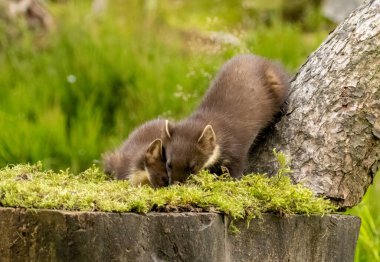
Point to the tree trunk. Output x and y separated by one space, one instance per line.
331 127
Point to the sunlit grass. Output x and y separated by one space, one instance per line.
368 247
73 93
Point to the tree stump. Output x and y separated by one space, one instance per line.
50 235
331 126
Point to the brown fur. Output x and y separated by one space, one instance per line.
140 158
244 97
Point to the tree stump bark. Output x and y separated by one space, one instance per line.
331 127
52 235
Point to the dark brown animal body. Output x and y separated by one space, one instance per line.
244 97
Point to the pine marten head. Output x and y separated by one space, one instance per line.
188 149
140 158
147 168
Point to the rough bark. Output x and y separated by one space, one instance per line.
49 235
331 127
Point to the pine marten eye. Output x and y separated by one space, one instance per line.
188 170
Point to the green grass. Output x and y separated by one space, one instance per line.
71 94
368 247
30 186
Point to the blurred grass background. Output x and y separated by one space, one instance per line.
69 94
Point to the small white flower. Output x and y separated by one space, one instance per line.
71 79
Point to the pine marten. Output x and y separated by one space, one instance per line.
140 158
243 98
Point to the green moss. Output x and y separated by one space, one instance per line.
30 186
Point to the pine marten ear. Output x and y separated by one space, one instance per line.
154 151
207 140
168 129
